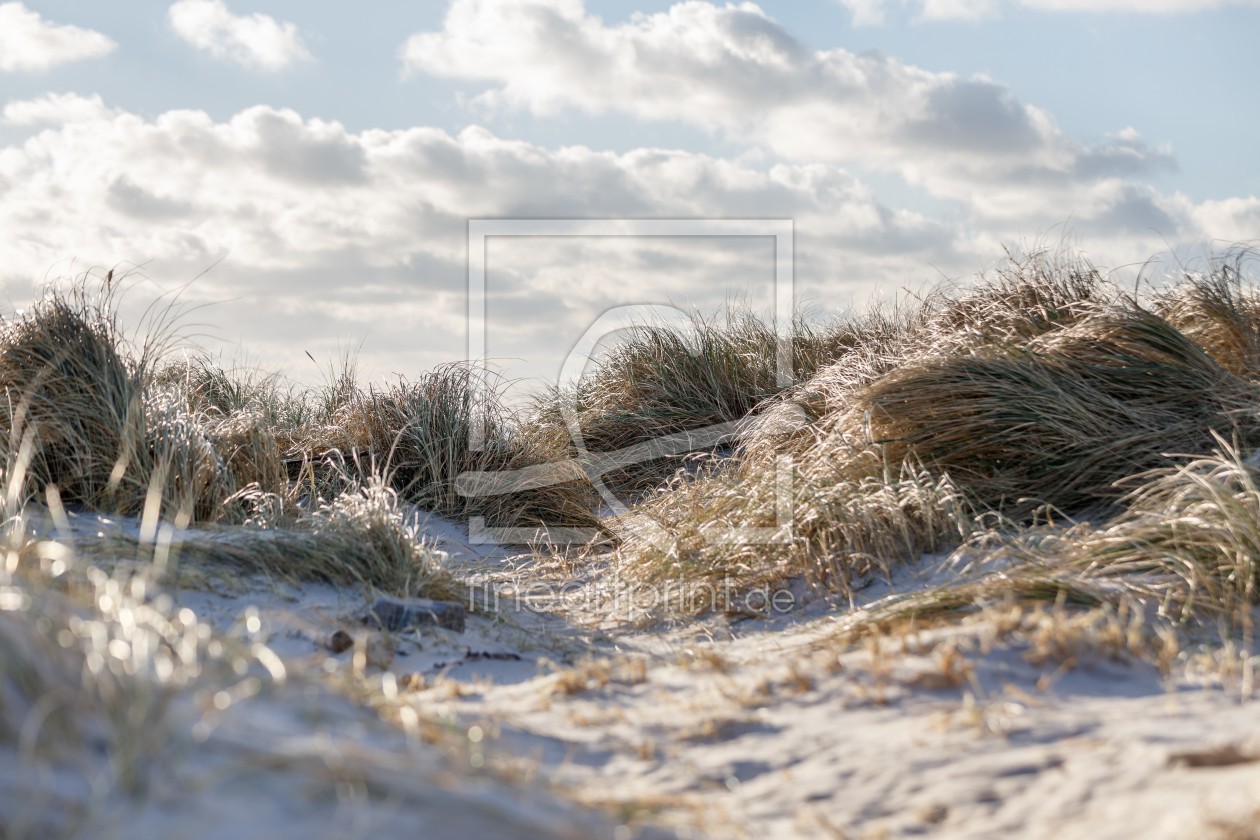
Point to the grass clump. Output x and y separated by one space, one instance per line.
1012 304
419 435
1185 549
659 380
1190 532
114 427
831 527
1042 389
364 538
79 397
1061 418
1219 310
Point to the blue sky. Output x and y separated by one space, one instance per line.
325 163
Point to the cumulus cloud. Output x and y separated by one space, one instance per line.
865 12
323 236
957 9
1158 7
28 43
734 70
256 41
56 108
327 234
279 191
871 12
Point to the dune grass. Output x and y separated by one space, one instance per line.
1042 391
1039 390
1219 310
363 538
832 527
1058 419
1090 458
1189 534
77 396
419 435
659 380
106 421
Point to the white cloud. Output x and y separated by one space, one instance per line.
734 70
28 43
327 236
1158 7
871 12
56 108
958 9
330 235
281 192
865 12
257 41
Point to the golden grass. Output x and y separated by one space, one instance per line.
77 397
1195 526
363 538
826 524
1219 310
659 380
1042 391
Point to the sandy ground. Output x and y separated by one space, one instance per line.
752 728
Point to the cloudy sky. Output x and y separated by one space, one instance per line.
306 176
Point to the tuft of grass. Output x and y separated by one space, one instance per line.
364 537
658 380
1060 419
1186 546
107 424
76 395
826 525
1219 310
1027 297
1197 525
419 435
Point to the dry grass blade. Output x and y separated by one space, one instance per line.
419 435
1060 420
362 538
659 380
1199 523
841 527
1219 311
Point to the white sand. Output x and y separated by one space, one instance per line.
757 729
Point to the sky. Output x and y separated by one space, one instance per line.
300 177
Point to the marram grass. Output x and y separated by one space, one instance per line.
1043 389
